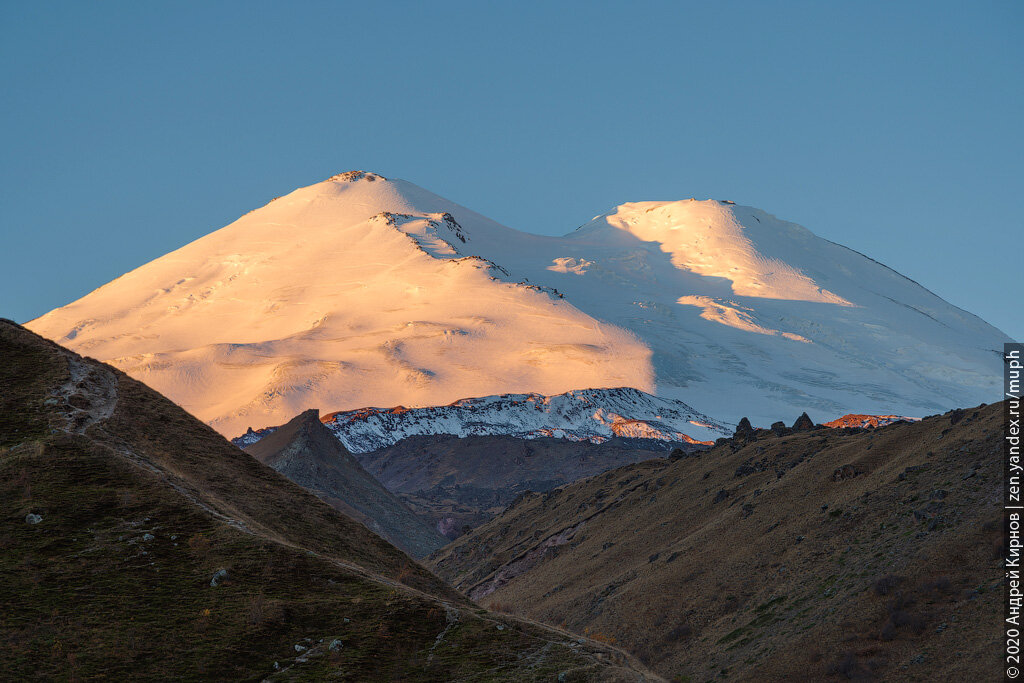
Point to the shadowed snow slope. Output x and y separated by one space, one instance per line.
365 291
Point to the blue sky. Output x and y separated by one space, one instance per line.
129 129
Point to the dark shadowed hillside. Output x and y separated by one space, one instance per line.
306 452
456 482
137 543
819 554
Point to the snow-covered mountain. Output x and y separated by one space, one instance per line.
594 415
364 291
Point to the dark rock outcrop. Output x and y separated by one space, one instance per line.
803 423
306 452
744 430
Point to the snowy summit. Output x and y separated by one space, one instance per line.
362 291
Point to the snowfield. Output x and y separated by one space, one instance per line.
362 291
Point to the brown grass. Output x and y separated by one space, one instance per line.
793 574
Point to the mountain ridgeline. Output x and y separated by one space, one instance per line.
307 453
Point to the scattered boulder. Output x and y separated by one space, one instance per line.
846 472
219 576
335 645
750 467
32 518
910 470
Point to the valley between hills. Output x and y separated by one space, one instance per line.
138 542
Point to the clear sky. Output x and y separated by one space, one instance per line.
894 128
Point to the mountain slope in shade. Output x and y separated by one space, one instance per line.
820 555
364 291
458 481
139 544
594 415
307 453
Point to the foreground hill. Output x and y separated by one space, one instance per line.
362 291
137 543
841 553
306 452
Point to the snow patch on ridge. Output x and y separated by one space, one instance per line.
588 414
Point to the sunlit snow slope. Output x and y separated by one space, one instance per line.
363 291
319 299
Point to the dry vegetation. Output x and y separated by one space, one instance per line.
826 554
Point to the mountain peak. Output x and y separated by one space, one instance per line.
717 238
353 176
363 291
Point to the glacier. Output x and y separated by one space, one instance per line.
362 291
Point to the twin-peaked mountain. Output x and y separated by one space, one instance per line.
362 291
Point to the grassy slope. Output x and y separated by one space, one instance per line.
142 508
822 554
